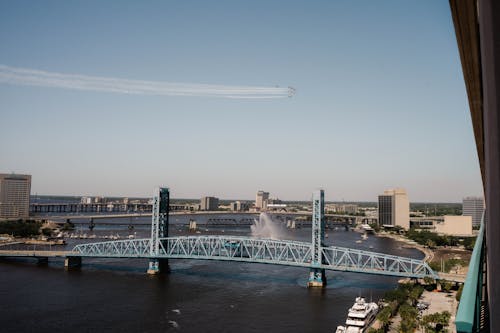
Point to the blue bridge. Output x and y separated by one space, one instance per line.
264 251
315 256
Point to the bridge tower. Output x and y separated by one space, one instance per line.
317 277
159 229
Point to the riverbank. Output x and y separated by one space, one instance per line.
438 301
444 259
429 254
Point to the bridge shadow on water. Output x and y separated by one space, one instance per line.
228 272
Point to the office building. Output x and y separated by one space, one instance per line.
473 207
394 209
261 200
238 206
209 203
14 195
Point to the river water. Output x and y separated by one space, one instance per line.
109 295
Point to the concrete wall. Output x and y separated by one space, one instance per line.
455 226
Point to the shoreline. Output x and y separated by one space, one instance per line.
428 253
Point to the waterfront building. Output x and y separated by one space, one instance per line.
451 225
209 203
86 200
261 200
473 207
14 195
343 208
394 209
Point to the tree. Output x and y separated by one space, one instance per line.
415 294
398 295
430 283
384 316
430 243
446 285
436 322
20 228
408 318
46 231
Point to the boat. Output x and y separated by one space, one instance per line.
367 229
360 316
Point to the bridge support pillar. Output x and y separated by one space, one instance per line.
159 229
72 262
317 278
158 266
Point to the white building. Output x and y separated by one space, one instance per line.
451 225
394 209
238 206
473 207
86 200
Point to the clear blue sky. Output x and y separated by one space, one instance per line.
380 99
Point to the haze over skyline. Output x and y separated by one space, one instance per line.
380 100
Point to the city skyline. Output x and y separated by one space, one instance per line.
380 100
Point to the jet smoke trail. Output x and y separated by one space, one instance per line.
32 77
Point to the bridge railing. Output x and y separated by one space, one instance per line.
136 248
237 248
354 260
472 302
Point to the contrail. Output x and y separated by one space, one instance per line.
33 77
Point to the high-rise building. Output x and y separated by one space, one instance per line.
209 203
261 199
394 209
474 207
14 195
238 206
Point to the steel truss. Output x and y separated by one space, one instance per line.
267 251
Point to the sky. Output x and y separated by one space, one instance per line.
115 98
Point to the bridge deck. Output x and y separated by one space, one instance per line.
267 251
35 253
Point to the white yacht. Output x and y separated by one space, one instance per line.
360 316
